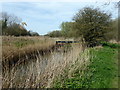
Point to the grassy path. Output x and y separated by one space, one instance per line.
101 73
103 69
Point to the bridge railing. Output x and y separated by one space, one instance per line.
66 42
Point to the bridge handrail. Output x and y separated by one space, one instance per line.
67 42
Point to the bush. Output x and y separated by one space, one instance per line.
107 44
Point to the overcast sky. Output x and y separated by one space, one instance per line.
43 17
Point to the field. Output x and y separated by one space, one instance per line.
35 62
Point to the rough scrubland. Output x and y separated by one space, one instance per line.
41 65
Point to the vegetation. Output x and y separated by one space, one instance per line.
54 34
67 29
112 45
100 73
13 26
114 33
91 24
41 71
16 48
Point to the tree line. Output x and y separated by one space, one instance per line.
13 26
92 24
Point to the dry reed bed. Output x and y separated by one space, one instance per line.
42 71
11 53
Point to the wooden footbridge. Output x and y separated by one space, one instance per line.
61 43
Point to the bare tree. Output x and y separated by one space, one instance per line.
8 20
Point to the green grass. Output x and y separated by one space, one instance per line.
111 45
101 73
